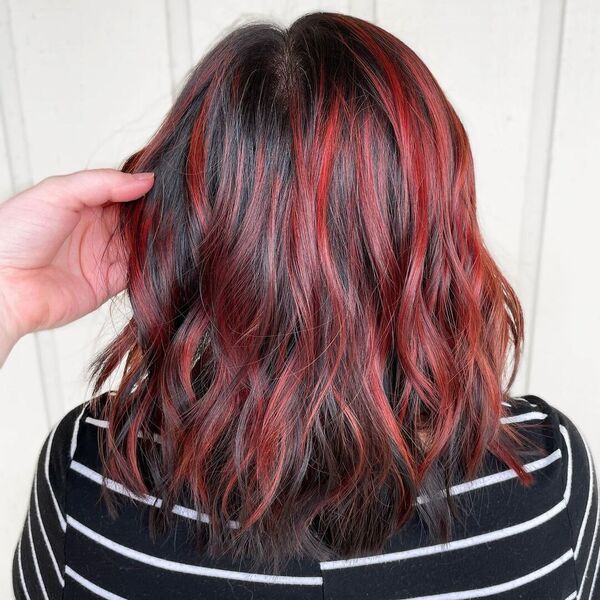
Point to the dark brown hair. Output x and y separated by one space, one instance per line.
319 334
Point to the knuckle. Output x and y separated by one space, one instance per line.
51 179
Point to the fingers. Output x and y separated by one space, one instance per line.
91 187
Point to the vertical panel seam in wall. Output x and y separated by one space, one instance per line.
179 39
19 168
539 163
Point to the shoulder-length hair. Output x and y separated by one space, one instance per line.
318 332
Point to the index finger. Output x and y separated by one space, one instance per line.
91 187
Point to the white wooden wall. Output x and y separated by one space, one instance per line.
83 84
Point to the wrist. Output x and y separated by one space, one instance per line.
8 332
6 345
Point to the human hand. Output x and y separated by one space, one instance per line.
57 262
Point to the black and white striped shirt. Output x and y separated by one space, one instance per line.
537 543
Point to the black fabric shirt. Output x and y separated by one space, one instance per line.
536 543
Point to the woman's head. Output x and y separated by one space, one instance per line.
318 331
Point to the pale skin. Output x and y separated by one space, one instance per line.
57 262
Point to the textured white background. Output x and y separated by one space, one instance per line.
84 84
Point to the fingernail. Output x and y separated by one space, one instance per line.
147 175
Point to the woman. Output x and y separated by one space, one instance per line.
315 396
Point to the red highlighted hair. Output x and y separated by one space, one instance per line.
319 333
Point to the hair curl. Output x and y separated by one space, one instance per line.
318 332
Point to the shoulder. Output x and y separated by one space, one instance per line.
560 435
60 445
51 472
580 484
564 433
39 557
57 450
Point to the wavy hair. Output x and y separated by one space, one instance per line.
318 332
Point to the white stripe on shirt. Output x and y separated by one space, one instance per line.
179 567
96 589
464 542
500 587
592 548
589 499
115 486
36 565
480 482
76 431
21 576
59 514
44 534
